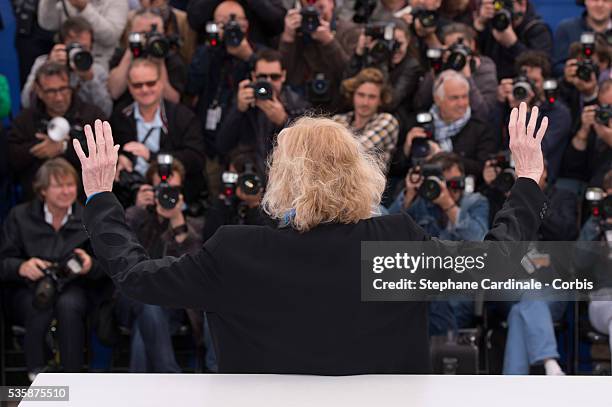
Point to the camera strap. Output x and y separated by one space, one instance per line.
214 111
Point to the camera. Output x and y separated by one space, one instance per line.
152 43
248 181
213 35
428 18
318 89
432 175
550 90
505 179
522 86
166 195
78 57
385 45
459 53
503 14
603 114
420 145
56 276
436 62
600 204
586 67
263 90
310 19
232 33
363 10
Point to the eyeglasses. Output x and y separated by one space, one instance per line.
271 76
55 91
140 85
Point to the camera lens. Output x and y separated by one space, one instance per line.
430 189
584 71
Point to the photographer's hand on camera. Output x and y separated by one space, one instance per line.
323 33
32 269
363 42
47 148
490 172
123 164
175 217
58 54
85 259
446 202
293 20
274 110
412 182
242 51
246 96
412 134
483 15
604 133
145 196
507 38
138 149
504 91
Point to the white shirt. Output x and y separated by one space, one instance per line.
152 142
49 216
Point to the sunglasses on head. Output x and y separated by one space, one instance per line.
140 85
271 76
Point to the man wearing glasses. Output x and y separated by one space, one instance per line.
263 107
29 143
152 124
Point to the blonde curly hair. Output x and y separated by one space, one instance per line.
319 173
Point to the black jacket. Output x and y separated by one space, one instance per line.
180 136
22 137
26 235
533 34
281 301
590 165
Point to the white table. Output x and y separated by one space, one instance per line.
113 390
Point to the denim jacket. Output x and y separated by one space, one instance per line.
472 221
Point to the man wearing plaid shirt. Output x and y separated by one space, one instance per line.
368 92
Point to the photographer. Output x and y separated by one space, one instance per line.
86 75
107 17
507 33
460 53
453 129
596 18
377 132
528 87
265 17
215 72
39 237
263 107
434 197
29 141
152 124
315 44
579 86
162 229
593 259
239 204
394 57
145 24
589 154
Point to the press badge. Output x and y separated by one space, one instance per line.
213 117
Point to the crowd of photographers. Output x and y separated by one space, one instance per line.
196 92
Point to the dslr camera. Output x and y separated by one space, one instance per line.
503 14
428 18
248 181
522 86
432 175
586 67
310 19
458 57
599 202
152 43
56 276
505 179
263 90
78 57
166 195
318 89
232 33
420 145
385 45
603 114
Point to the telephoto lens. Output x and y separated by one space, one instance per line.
427 18
432 177
249 182
263 90
522 87
603 114
158 46
503 14
78 57
310 19
232 33
420 145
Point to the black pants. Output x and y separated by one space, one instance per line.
70 310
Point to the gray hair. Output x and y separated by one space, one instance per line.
447 76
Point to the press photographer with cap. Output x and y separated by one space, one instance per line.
262 314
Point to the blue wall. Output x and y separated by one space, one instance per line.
554 11
8 57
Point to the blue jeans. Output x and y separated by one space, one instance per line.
531 335
151 347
